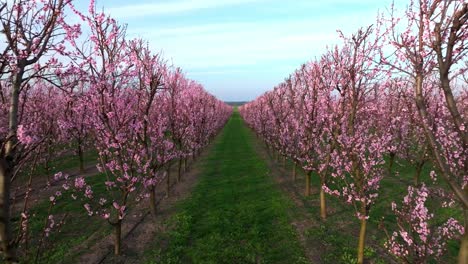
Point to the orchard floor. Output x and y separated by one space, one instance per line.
246 208
239 204
236 213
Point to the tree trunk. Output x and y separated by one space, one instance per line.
9 252
294 173
152 201
323 205
362 235
81 157
391 162
179 176
47 160
451 104
168 180
7 166
437 153
185 164
117 236
307 188
284 161
417 174
463 252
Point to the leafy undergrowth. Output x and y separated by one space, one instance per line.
236 213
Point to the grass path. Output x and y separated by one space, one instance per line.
236 214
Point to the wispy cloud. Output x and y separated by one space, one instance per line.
240 48
241 44
171 7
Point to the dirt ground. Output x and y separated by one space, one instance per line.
40 191
140 227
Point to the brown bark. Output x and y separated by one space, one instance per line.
7 153
117 238
81 157
168 180
179 175
391 162
7 166
48 158
323 204
294 172
9 252
445 62
152 201
434 146
362 235
307 177
452 106
463 252
417 174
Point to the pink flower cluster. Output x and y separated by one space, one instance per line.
417 239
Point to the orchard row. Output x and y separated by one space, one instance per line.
65 91
396 90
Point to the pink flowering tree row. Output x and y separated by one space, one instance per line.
329 124
61 94
339 116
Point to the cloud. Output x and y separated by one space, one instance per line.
171 7
243 43
240 44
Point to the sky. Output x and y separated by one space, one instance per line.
238 49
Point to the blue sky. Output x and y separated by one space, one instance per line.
239 49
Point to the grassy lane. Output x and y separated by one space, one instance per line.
236 213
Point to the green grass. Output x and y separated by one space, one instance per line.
78 228
337 237
62 163
236 213
71 161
